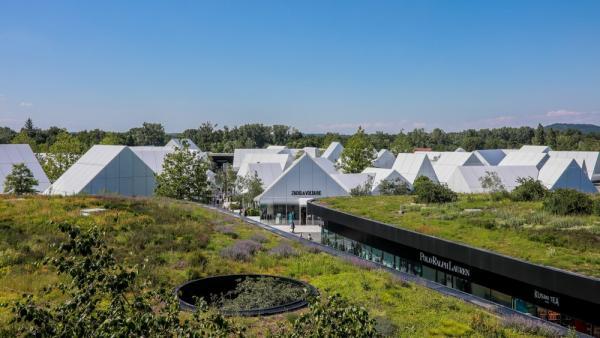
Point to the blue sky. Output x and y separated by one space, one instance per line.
317 65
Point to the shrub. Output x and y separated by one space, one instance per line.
363 189
260 238
431 192
227 230
241 250
20 180
283 250
252 212
394 187
568 202
596 207
529 189
531 326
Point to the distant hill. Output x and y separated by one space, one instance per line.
584 128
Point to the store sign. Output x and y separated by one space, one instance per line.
553 300
444 264
306 192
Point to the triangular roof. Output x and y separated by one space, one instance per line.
153 156
384 159
590 158
176 142
413 165
304 178
447 163
11 154
490 156
333 151
267 172
466 179
565 173
240 154
381 174
326 165
527 158
537 149
283 160
351 181
106 169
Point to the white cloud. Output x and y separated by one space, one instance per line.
25 104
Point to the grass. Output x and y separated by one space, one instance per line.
517 229
172 242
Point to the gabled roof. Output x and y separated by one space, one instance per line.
351 181
326 165
490 156
106 169
283 160
153 156
11 154
413 165
304 178
384 159
565 173
537 149
527 158
466 179
176 142
311 151
267 172
591 159
449 161
240 154
333 151
381 174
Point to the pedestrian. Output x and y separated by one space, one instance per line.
309 237
293 226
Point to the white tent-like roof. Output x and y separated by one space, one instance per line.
447 163
381 174
565 173
267 172
240 154
333 151
178 143
385 159
326 165
153 156
106 170
490 156
283 160
411 166
590 158
536 149
11 154
467 179
351 181
303 179
311 151
527 158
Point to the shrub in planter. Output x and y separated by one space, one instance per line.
529 189
252 212
431 192
568 202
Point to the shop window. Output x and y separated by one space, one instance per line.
388 260
501 298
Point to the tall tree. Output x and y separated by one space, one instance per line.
184 176
61 155
150 134
358 153
539 137
20 180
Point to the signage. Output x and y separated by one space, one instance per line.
306 192
551 300
444 264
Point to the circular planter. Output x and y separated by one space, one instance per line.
205 287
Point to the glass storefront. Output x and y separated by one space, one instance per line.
411 266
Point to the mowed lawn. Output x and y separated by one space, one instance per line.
171 242
518 229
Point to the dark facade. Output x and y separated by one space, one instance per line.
556 295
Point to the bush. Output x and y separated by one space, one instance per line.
394 187
283 250
531 326
596 208
431 192
241 250
568 202
529 189
252 212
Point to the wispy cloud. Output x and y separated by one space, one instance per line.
25 104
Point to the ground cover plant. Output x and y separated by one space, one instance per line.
523 230
168 243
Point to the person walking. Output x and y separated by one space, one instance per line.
293 227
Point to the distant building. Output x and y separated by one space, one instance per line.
11 154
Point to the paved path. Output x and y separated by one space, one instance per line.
500 310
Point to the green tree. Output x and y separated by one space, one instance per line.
101 298
150 134
20 180
248 188
225 182
539 137
334 317
427 191
568 202
23 138
528 189
184 176
401 144
492 183
65 151
358 153
6 135
111 139
395 186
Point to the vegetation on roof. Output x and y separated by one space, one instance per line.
172 242
522 230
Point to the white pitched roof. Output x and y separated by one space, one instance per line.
176 142
527 158
385 159
240 154
537 149
490 156
304 178
565 173
153 156
591 159
326 165
283 160
106 169
351 181
311 151
276 147
267 172
466 179
449 161
11 154
333 151
411 166
381 174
